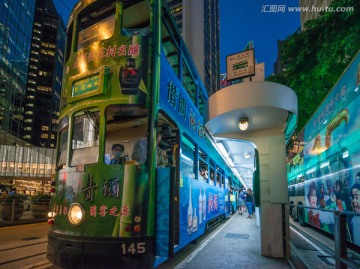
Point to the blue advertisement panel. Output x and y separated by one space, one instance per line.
178 105
199 203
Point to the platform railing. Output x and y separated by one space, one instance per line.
340 231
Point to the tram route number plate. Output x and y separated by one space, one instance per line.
133 248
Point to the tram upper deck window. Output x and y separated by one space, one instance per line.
201 105
85 140
63 138
188 82
136 18
170 43
96 22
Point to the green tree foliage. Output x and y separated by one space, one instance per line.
316 57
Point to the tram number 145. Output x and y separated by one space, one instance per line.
133 248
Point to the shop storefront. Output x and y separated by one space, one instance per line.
28 169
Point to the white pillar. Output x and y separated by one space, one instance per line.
273 190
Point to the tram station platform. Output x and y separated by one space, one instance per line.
232 245
26 218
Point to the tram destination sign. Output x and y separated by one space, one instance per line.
85 85
240 65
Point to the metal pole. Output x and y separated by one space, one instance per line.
13 210
340 240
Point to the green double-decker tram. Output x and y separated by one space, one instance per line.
133 153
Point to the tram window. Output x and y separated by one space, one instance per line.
187 158
188 81
203 172
63 138
218 179
126 125
203 167
212 176
96 23
300 190
85 140
136 18
170 46
201 105
311 174
212 172
168 142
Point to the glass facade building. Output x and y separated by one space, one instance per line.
32 43
16 19
28 169
45 76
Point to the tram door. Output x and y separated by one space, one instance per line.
167 194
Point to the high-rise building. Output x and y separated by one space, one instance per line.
198 22
16 19
44 76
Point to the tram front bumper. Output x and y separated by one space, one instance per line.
84 252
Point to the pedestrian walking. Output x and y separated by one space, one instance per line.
241 201
249 203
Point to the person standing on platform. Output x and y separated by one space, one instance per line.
232 202
249 203
241 202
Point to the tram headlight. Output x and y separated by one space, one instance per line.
76 214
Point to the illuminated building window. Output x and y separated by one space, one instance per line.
44 89
48 45
47 52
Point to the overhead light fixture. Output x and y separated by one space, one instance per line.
247 154
243 124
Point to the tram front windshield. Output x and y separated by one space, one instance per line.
126 128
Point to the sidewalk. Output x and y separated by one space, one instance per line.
26 218
234 245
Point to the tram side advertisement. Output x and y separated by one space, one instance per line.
335 185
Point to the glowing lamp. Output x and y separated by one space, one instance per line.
243 124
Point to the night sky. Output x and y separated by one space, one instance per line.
260 21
